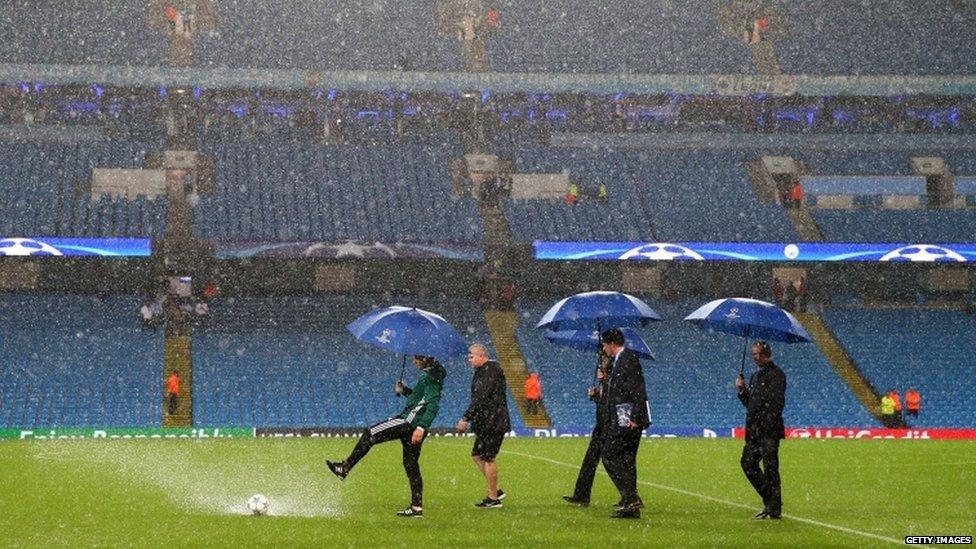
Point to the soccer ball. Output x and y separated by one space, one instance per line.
258 505
25 247
662 251
924 253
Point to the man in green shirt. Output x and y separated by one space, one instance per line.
409 427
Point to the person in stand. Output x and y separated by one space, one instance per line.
173 392
896 399
764 398
533 393
584 481
777 292
572 195
790 297
888 411
796 195
410 427
913 402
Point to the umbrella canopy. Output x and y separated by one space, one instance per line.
408 331
601 309
749 318
588 340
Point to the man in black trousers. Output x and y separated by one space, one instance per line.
627 414
764 399
584 482
488 412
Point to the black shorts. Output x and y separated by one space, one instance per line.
486 445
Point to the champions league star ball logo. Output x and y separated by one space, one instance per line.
662 251
924 253
26 247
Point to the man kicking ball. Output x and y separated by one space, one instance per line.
410 428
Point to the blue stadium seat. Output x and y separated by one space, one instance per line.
389 193
78 361
256 359
930 350
37 181
690 384
901 226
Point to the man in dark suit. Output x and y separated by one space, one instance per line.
489 413
584 481
627 414
764 399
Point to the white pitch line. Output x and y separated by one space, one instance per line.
724 501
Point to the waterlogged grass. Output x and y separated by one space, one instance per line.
128 493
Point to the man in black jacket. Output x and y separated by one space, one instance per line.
627 414
764 399
584 481
489 414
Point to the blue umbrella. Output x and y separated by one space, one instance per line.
588 340
747 318
597 309
408 331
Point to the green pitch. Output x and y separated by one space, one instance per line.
192 493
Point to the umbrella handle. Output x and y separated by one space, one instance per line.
596 370
742 365
403 370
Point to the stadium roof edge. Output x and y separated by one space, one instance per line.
728 85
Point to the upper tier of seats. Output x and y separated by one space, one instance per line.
691 37
38 182
388 193
78 361
691 382
903 226
932 351
670 196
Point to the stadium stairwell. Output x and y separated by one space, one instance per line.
842 362
502 325
804 223
176 358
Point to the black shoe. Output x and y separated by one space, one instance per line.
338 469
639 504
489 503
761 515
626 513
501 495
413 512
576 501
774 515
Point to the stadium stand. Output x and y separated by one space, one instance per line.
347 36
536 36
290 362
78 361
690 383
621 218
38 182
907 226
655 196
381 193
932 350
679 185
